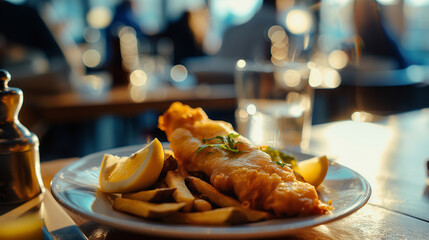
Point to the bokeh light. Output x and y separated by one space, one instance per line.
129 48
279 44
278 53
298 21
243 114
311 65
91 58
99 17
274 29
241 64
315 78
362 117
138 78
278 36
292 78
251 109
338 59
331 78
179 73
324 77
91 34
138 94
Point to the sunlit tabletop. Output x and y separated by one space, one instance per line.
391 153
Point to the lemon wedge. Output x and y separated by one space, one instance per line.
136 172
313 170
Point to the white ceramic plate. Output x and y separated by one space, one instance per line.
76 187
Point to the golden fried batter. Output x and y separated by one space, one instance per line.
250 174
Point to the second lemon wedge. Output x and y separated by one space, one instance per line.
136 172
313 170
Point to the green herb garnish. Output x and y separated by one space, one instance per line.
226 142
281 158
281 164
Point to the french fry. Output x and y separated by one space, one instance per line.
155 195
170 163
256 215
145 209
200 175
182 193
201 205
222 200
220 216
211 193
172 183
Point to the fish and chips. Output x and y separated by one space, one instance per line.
214 176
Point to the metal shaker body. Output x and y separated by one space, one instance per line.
20 178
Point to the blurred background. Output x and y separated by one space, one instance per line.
97 74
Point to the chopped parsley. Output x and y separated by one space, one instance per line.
226 142
281 158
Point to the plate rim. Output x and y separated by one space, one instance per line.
190 231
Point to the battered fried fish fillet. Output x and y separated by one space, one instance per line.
250 174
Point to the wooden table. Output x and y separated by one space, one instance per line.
391 154
119 101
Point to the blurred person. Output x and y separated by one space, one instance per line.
30 52
124 16
376 80
183 38
247 41
250 40
376 39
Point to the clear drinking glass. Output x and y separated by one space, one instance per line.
274 104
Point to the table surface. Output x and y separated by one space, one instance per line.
390 153
67 107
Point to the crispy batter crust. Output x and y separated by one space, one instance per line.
250 175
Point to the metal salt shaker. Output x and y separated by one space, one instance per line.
20 178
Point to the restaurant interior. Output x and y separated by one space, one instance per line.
75 54
96 75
